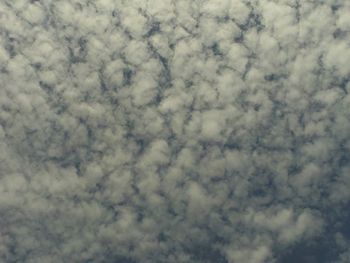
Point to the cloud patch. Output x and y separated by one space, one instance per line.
174 131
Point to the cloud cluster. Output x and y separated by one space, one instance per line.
174 131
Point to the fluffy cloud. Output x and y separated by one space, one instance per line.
174 131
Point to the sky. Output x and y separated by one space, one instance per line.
163 131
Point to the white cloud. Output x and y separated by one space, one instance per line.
173 131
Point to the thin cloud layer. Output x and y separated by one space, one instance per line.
174 131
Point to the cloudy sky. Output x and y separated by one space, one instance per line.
163 131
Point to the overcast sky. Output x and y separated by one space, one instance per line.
175 131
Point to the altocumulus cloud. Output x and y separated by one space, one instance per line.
175 131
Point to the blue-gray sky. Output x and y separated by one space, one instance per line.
175 131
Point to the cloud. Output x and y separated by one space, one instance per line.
174 131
